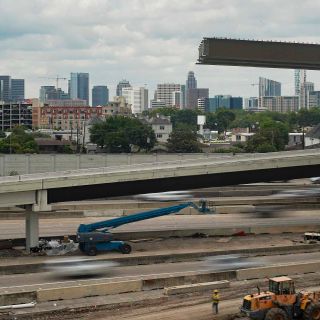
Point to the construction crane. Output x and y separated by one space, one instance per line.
57 78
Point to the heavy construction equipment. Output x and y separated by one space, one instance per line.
281 302
96 236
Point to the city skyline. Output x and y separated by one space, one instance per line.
112 40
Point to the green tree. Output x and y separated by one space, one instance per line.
183 139
224 119
19 142
119 134
185 117
272 136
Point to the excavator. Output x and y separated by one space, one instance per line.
281 302
95 237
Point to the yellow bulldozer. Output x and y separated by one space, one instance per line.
281 302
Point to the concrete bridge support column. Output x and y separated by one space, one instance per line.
32 219
32 230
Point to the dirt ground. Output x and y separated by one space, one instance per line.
201 242
190 306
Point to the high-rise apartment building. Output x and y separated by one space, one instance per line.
79 86
100 96
314 99
122 84
280 104
300 77
155 104
165 92
305 90
269 88
137 97
203 104
251 103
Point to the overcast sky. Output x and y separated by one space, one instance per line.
146 41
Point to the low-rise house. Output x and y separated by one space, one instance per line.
241 137
312 137
161 126
48 145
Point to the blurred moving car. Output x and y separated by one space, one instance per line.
165 196
79 267
233 262
312 192
315 180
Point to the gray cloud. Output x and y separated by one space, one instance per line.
146 41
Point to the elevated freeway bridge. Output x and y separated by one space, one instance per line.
38 191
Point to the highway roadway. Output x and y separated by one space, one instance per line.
43 280
13 229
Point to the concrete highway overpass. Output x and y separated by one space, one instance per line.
38 191
253 53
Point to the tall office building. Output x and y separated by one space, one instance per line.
193 93
305 90
5 88
269 88
191 82
17 90
300 77
192 96
137 97
11 90
122 84
79 86
165 92
100 96
51 93
223 101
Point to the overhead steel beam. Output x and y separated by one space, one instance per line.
252 53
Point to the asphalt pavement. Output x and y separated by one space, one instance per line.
34 281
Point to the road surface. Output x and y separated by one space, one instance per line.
43 280
12 229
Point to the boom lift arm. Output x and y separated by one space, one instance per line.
96 237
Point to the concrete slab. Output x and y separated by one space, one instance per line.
190 288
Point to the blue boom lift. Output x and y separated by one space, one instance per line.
96 237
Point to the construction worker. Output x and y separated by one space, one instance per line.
215 301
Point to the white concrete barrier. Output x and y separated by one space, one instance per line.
82 291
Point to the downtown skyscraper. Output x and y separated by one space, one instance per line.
100 96
122 84
11 90
79 86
